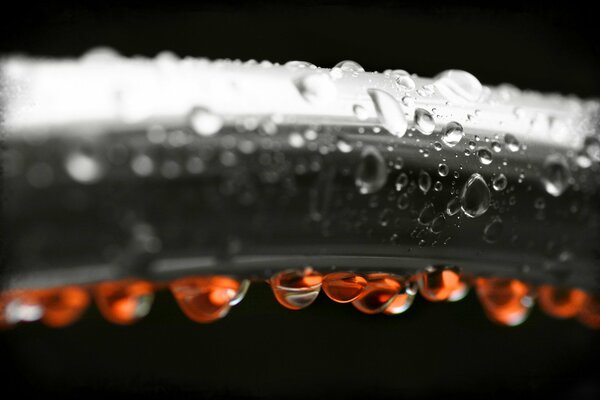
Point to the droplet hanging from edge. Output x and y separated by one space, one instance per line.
560 302
242 290
206 299
379 293
402 301
343 287
438 283
63 306
389 111
475 196
296 289
505 301
589 315
124 302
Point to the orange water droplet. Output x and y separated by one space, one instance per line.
379 293
505 301
560 302
343 287
62 306
4 299
589 315
438 283
296 289
205 298
401 303
124 302
461 291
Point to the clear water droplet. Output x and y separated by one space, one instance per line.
296 289
512 143
452 134
485 156
360 112
371 173
349 66
497 147
443 169
556 175
424 181
475 196
379 293
401 181
424 121
427 214
402 79
458 85
316 88
499 183
389 111
493 231
343 287
205 122
438 224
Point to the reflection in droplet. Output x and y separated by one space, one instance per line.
452 134
296 289
505 301
124 302
475 196
560 302
437 283
401 302
371 173
343 287
485 156
389 111
379 293
555 175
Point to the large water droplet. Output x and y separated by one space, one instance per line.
349 66
124 302
475 196
371 173
560 302
401 302
389 111
316 88
452 134
343 287
437 283
458 85
505 301
296 289
556 175
485 156
378 294
424 121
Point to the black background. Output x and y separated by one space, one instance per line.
327 350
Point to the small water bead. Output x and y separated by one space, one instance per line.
408 101
452 134
379 293
493 230
472 145
485 156
499 182
458 85
497 147
424 181
556 175
389 111
437 146
296 289
206 299
403 79
349 66
316 88
372 171
360 112
560 302
124 302
467 152
343 287
204 122
453 206
511 142
401 181
475 196
443 169
437 283
505 301
424 121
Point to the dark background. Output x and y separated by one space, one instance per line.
261 349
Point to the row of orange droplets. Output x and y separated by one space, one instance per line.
208 298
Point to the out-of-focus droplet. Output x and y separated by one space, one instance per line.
349 66
437 283
241 293
424 181
499 182
443 169
556 175
360 112
424 121
512 143
453 206
343 287
63 306
505 301
379 293
461 291
403 79
204 122
124 302
300 65
497 147
296 289
83 167
372 172
589 315
206 299
19 306
452 134
560 302
485 156
389 111
401 302
475 196
493 230
316 88
458 85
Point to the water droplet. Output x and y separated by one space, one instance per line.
343 287
497 147
379 293
499 183
206 299
453 206
296 140
360 112
438 223
402 79
400 303
589 315
389 111
63 306
296 289
437 283
424 181
437 146
485 156
343 146
560 302
556 175
493 231
505 301
300 65
427 214
401 181
124 302
408 101
443 169
205 122
83 167
460 292
371 173
512 143
475 196
458 85
349 66
316 88
403 201
424 121
452 134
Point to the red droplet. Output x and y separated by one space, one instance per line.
438 283
505 301
589 315
378 294
560 302
296 289
62 306
124 302
205 298
343 287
